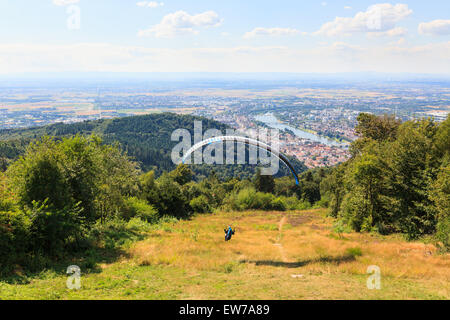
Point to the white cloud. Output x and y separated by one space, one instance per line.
150 4
399 42
64 2
343 46
180 23
435 27
347 7
377 18
394 32
270 32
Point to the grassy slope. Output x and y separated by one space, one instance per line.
190 260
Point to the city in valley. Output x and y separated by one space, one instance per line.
316 118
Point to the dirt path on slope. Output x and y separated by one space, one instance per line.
280 235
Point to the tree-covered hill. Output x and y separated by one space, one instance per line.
146 138
397 180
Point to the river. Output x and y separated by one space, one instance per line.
270 120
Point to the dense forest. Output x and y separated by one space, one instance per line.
146 139
72 191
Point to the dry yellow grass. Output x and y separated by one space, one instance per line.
273 255
269 248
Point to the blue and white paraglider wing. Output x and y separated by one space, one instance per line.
247 141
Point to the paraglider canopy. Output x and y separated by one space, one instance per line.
247 141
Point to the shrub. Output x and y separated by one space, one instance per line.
441 197
116 232
7 204
168 198
39 176
353 211
200 204
263 201
14 238
324 202
354 252
340 227
51 230
443 232
32 237
139 208
168 220
303 205
247 199
290 203
71 171
278 204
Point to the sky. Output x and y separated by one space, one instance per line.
224 36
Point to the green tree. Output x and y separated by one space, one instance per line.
285 186
412 169
378 128
39 176
333 186
442 138
372 128
368 177
80 159
75 171
200 204
440 194
147 183
263 183
118 179
182 174
168 198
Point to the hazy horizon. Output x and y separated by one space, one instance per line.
227 75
